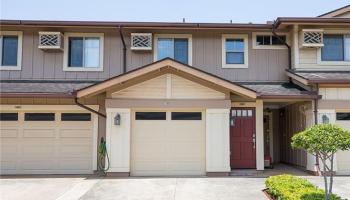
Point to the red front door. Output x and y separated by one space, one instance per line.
242 138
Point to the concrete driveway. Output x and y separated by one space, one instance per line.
63 188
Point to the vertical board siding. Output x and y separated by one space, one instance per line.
292 122
264 64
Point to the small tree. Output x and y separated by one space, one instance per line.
323 140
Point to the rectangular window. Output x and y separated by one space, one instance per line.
75 117
10 50
186 116
39 116
336 47
8 116
150 115
235 51
175 48
84 52
270 40
343 116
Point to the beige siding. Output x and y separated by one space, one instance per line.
335 93
308 56
264 64
168 86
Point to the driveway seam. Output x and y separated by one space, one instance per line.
73 190
175 188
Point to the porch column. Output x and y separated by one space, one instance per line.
259 114
217 140
118 140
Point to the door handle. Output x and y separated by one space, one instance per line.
254 141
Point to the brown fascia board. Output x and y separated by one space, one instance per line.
310 20
304 96
136 24
31 95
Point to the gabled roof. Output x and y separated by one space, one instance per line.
336 12
163 64
326 77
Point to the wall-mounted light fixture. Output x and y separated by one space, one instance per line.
117 119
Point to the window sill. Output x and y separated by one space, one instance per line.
235 66
334 62
82 69
269 47
11 68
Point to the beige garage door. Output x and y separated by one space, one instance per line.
46 142
168 143
343 157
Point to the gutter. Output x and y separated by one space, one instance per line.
88 108
124 49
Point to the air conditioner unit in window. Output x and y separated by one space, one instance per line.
311 38
50 41
141 41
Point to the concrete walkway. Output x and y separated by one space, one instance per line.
202 188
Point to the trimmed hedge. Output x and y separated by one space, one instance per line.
287 187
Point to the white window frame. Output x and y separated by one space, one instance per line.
19 34
271 46
319 51
188 36
66 49
234 36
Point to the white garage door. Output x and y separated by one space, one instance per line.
46 142
343 157
168 143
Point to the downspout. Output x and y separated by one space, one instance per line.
285 43
124 49
88 108
316 122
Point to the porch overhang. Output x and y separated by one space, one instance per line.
164 64
320 77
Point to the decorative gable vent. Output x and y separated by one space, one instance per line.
50 41
311 38
141 41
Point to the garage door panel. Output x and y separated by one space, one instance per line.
343 157
39 164
8 150
8 133
74 164
46 147
37 150
39 133
168 147
72 151
75 133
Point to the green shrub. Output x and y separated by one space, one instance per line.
287 187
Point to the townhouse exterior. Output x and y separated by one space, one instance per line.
170 98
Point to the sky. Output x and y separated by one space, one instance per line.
243 11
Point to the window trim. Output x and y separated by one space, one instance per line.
223 50
155 44
66 49
319 51
255 34
19 34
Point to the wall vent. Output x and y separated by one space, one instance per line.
311 38
50 41
141 41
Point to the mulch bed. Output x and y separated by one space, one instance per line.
268 195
